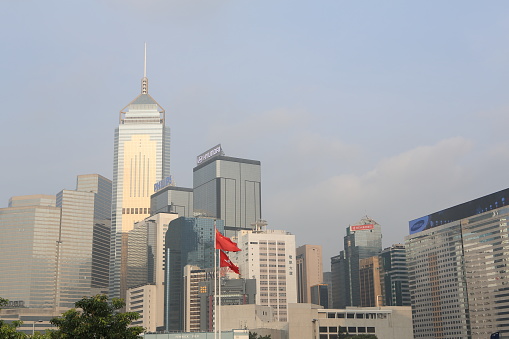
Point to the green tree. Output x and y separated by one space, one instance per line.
254 335
96 319
9 330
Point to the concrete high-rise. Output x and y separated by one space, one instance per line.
228 189
362 240
370 283
141 159
55 250
457 264
145 269
269 257
309 270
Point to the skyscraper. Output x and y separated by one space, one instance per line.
145 269
309 270
362 240
189 241
55 249
269 257
370 283
395 276
141 158
457 266
228 189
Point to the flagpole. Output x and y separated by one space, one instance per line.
219 304
215 277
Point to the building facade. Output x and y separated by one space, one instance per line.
233 292
457 262
173 199
55 250
228 189
189 241
371 284
309 270
362 240
141 159
269 257
320 295
395 276
145 269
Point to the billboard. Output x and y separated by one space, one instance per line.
461 211
213 152
162 184
362 227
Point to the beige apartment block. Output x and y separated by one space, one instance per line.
309 270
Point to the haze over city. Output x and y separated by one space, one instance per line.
393 109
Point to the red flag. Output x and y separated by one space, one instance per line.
224 261
225 243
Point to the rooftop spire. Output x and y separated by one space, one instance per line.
144 81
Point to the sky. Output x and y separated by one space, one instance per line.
391 109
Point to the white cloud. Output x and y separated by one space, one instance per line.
394 191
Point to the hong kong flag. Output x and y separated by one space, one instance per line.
225 243
226 262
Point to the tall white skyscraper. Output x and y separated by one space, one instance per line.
269 257
141 158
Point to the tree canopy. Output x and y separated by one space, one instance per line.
96 318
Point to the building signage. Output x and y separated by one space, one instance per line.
458 212
362 227
162 184
213 152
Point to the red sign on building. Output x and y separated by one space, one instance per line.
362 227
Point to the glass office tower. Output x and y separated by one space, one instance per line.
362 240
141 158
189 241
228 189
83 245
55 250
457 263
395 276
30 229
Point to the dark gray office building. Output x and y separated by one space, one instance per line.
395 276
228 189
362 240
172 199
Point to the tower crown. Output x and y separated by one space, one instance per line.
143 109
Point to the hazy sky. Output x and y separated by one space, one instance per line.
394 109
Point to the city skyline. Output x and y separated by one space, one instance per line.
365 109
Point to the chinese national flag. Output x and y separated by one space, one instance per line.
226 262
225 243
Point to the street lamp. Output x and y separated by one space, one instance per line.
33 326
